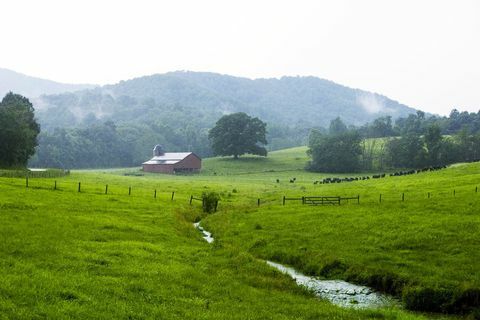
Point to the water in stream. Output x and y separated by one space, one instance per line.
206 235
339 292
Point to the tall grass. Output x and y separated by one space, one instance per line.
89 254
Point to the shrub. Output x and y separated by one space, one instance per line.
210 201
466 301
426 299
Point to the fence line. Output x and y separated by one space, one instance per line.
310 200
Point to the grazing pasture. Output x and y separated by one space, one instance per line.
98 254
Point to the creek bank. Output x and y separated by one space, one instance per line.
338 292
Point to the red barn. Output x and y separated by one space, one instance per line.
172 162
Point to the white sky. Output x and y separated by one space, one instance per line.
423 53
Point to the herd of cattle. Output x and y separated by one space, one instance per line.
348 179
375 176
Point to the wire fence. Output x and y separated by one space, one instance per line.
366 198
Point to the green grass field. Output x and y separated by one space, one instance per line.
72 255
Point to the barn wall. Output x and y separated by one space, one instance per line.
190 162
159 168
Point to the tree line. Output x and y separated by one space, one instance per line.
411 142
419 123
420 144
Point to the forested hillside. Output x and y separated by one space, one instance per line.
177 109
290 100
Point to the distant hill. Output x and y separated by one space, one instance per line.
117 125
309 101
32 87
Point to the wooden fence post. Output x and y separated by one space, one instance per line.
106 188
155 194
476 189
403 196
358 199
55 186
79 186
191 198
380 198
258 202
303 200
173 194
454 192
429 195
129 190
283 200
26 181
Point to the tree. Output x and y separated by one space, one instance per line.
335 153
18 130
236 134
382 127
407 152
433 141
337 126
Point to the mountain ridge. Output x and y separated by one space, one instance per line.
287 100
33 87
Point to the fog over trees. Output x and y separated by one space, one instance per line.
117 125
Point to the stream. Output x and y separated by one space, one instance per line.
338 292
206 235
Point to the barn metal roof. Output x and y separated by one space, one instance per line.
168 158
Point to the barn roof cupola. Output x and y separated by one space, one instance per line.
158 151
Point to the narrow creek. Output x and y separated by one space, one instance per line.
205 234
338 292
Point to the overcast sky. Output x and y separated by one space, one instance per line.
425 54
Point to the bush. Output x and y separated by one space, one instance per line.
210 201
427 299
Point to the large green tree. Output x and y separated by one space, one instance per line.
18 130
236 134
408 151
335 152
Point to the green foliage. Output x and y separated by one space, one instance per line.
382 127
177 110
414 151
308 101
407 152
419 123
237 134
49 173
210 201
337 126
335 153
18 131
433 142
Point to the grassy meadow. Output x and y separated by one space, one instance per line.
76 255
